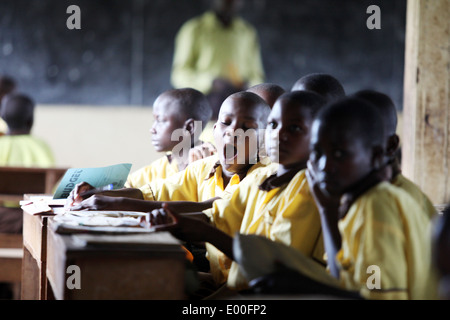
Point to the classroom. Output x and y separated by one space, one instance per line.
251 210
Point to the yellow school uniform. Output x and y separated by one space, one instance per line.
386 241
402 182
200 181
286 214
161 168
25 151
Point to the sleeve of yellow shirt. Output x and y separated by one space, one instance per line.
158 169
178 187
385 250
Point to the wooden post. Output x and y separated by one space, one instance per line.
426 114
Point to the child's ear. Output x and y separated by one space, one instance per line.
189 126
392 145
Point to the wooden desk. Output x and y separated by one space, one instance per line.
17 181
34 261
119 272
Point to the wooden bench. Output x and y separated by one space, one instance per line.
14 183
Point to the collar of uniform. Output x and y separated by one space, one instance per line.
348 198
274 181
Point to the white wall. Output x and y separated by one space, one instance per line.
86 136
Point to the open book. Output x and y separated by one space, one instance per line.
97 177
115 176
256 256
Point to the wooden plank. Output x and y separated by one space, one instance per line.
426 115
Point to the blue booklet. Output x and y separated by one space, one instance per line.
114 176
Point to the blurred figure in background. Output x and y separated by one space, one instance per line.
217 53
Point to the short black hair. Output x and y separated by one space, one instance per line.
324 84
17 110
7 84
358 116
257 102
192 103
272 90
384 104
306 99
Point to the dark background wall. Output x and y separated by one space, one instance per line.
123 53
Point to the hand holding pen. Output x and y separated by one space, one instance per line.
82 191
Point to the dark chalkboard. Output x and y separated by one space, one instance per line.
123 53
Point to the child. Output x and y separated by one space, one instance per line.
258 206
387 109
237 139
376 236
268 91
18 147
172 110
324 84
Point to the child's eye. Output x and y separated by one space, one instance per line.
295 128
272 125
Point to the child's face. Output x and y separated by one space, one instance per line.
339 157
166 121
288 134
236 145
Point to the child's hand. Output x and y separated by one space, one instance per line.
76 195
202 151
323 199
98 202
181 226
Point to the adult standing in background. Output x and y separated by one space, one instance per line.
217 53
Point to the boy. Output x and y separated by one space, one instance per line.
376 237
268 91
18 147
236 134
258 206
324 84
387 109
172 110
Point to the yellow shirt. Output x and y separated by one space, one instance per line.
196 183
205 50
286 214
402 182
161 168
386 246
25 151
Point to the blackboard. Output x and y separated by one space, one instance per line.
123 52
